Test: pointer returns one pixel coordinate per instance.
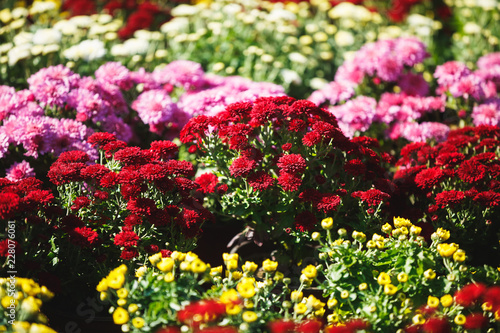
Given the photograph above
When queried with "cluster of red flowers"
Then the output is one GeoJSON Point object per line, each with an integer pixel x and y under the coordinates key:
{"type": "Point", "coordinates": [150, 190]}
{"type": "Point", "coordinates": [287, 326]}
{"type": "Point", "coordinates": [283, 147]}
{"type": "Point", "coordinates": [138, 14]}
{"type": "Point", "coordinates": [461, 173]}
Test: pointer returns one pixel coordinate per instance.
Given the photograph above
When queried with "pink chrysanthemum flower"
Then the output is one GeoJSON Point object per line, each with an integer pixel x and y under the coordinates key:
{"type": "Point", "coordinates": [154, 106]}
{"type": "Point", "coordinates": [115, 73]}
{"type": "Point", "coordinates": [450, 72]}
{"type": "Point", "coordinates": [487, 113]}
{"type": "Point", "coordinates": [332, 93]}
{"type": "Point", "coordinates": [141, 76]}
{"type": "Point", "coordinates": [51, 85]}
{"type": "Point", "coordinates": [416, 132]}
{"type": "Point", "coordinates": [355, 115]}
{"type": "Point", "coordinates": [473, 86]}
{"type": "Point", "coordinates": [181, 73]}
{"type": "Point", "coordinates": [413, 84]}
{"type": "Point", "coordinates": [19, 171]}
{"type": "Point", "coordinates": [349, 73]}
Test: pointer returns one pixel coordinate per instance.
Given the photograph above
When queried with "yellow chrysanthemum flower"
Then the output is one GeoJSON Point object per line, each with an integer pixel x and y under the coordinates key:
{"type": "Point", "coordinates": [331, 303]}
{"type": "Point", "coordinates": [310, 272]}
{"type": "Point", "coordinates": [390, 289]}
{"type": "Point", "coordinates": [430, 274]}
{"type": "Point", "coordinates": [249, 267]}
{"type": "Point", "coordinates": [402, 277]}
{"type": "Point", "coordinates": [383, 278]}
{"type": "Point", "coordinates": [138, 322]}
{"type": "Point", "coordinates": [269, 266]}
{"type": "Point", "coordinates": [120, 316]}
{"type": "Point", "coordinates": [432, 301]}
{"type": "Point", "coordinates": [447, 300]}
{"type": "Point", "coordinates": [165, 264]}
{"type": "Point", "coordinates": [459, 319]}
{"type": "Point", "coordinates": [327, 223]}
{"type": "Point", "coordinates": [401, 222]}
{"type": "Point", "coordinates": [300, 308]}
{"type": "Point", "coordinates": [246, 289]}
{"type": "Point", "coordinates": [249, 316]}
{"type": "Point", "coordinates": [198, 266]}
{"type": "Point", "coordinates": [169, 277]}
{"type": "Point", "coordinates": [459, 255]}
{"type": "Point", "coordinates": [418, 319]}
{"type": "Point", "coordinates": [446, 250]}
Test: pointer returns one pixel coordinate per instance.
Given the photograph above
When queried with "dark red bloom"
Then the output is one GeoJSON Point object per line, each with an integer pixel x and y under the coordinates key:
{"type": "Point", "coordinates": [471, 171]}
{"type": "Point", "coordinates": [126, 239]}
{"type": "Point", "coordinates": [292, 163]}
{"type": "Point", "coordinates": [63, 173]}
{"type": "Point", "coordinates": [132, 220]}
{"type": "Point", "coordinates": [469, 294]}
{"type": "Point", "coordinates": [260, 180]}
{"type": "Point", "coordinates": [286, 146]}
{"type": "Point", "coordinates": [168, 330]}
{"type": "Point", "coordinates": [475, 321]}
{"type": "Point", "coordinates": [309, 326]}
{"type": "Point", "coordinates": [9, 203]}
{"type": "Point", "coordinates": [305, 221]}
{"type": "Point", "coordinates": [208, 182]}
{"type": "Point", "coordinates": [195, 129]}
{"type": "Point", "coordinates": [101, 139]}
{"type": "Point", "coordinates": [355, 167]}
{"type": "Point", "coordinates": [164, 149]}
{"type": "Point", "coordinates": [130, 156]}
{"type": "Point", "coordinates": [281, 326]}
{"type": "Point", "coordinates": [73, 156]}
{"type": "Point", "coordinates": [95, 171]}
{"type": "Point", "coordinates": [449, 159]}
{"type": "Point", "coordinates": [109, 180]}
{"type": "Point", "coordinates": [372, 197]}
{"type": "Point", "coordinates": [297, 125]}
{"type": "Point", "coordinates": [488, 198]}
{"type": "Point", "coordinates": [4, 247]}
{"type": "Point", "coordinates": [141, 206]}
{"type": "Point", "coordinates": [130, 191]}
{"type": "Point", "coordinates": [101, 195]}
{"type": "Point", "coordinates": [153, 171]}
{"type": "Point", "coordinates": [129, 253]}
{"type": "Point", "coordinates": [289, 182]}
{"type": "Point", "coordinates": [112, 147]}
{"type": "Point", "coordinates": [328, 203]}
{"type": "Point", "coordinates": [312, 138]}
{"type": "Point", "coordinates": [449, 198]}
{"type": "Point", "coordinates": [84, 236]}
{"type": "Point", "coordinates": [199, 312]}
{"type": "Point", "coordinates": [180, 168]}
{"type": "Point", "coordinates": [80, 202]}
{"type": "Point", "coordinates": [436, 325]}
{"type": "Point", "coordinates": [242, 166]}
{"type": "Point", "coordinates": [428, 178]}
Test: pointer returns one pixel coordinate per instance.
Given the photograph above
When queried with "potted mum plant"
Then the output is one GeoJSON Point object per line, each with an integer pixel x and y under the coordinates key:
{"type": "Point", "coordinates": [280, 165]}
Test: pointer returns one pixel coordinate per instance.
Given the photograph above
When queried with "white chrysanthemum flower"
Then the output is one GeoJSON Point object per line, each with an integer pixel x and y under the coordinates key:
{"type": "Point", "coordinates": [40, 7]}
{"type": "Point", "coordinates": [344, 38]}
{"type": "Point", "coordinates": [87, 50]}
{"type": "Point", "coordinates": [66, 27]}
{"type": "Point", "coordinates": [175, 25]}
{"type": "Point", "coordinates": [290, 76]}
{"type": "Point", "coordinates": [185, 10]}
{"type": "Point", "coordinates": [22, 38]}
{"type": "Point", "coordinates": [82, 21]}
{"type": "Point", "coordinates": [47, 36]}
{"type": "Point", "coordinates": [136, 46]}
{"type": "Point", "coordinates": [119, 50]}
{"type": "Point", "coordinates": [19, 12]}
{"type": "Point", "coordinates": [19, 53]}
{"type": "Point", "coordinates": [279, 14]}
{"type": "Point", "coordinates": [471, 28]}
{"type": "Point", "coordinates": [232, 9]}
{"type": "Point", "coordinates": [297, 57]}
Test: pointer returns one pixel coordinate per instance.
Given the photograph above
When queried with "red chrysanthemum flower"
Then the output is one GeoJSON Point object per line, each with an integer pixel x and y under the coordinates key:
{"type": "Point", "coordinates": [63, 173]}
{"type": "Point", "coordinates": [436, 325]}
{"type": "Point", "coordinates": [310, 195]}
{"type": "Point", "coordinates": [200, 312]}
{"type": "Point", "coordinates": [309, 326]}
{"type": "Point", "coordinates": [355, 167]}
{"type": "Point", "coordinates": [488, 143]}
{"type": "Point", "coordinates": [153, 171]}
{"type": "Point", "coordinates": [80, 202]}
{"type": "Point", "coordinates": [180, 168]}
{"type": "Point", "coordinates": [471, 171]}
{"type": "Point", "coordinates": [207, 182]}
{"type": "Point", "coordinates": [9, 203]}
{"type": "Point", "coordinates": [328, 203]}
{"type": "Point", "coordinates": [84, 236]}
{"type": "Point", "coordinates": [449, 159]}
{"type": "Point", "coordinates": [130, 156]}
{"type": "Point", "coordinates": [184, 185]}
{"type": "Point", "coordinates": [164, 149]}
{"type": "Point", "coordinates": [372, 197]}
{"type": "Point", "coordinates": [101, 138]}
{"type": "Point", "coordinates": [289, 182]}
{"type": "Point", "coordinates": [297, 125]}
{"type": "Point", "coordinates": [189, 219]}
{"type": "Point", "coordinates": [101, 195]}
{"type": "Point", "coordinates": [286, 146]}
{"type": "Point", "coordinates": [73, 156]}
{"type": "Point", "coordinates": [132, 220]}
{"type": "Point", "coordinates": [129, 253]}
{"type": "Point", "coordinates": [292, 163]}
{"type": "Point", "coordinates": [242, 166]}
{"type": "Point", "coordinates": [281, 326]}
{"type": "Point", "coordinates": [130, 191]}
{"type": "Point", "coordinates": [141, 206]}
{"type": "Point", "coordinates": [428, 178]}
{"type": "Point", "coordinates": [260, 180]}
{"type": "Point", "coordinates": [195, 129]}
{"type": "Point", "coordinates": [305, 221]}
{"type": "Point", "coordinates": [95, 171]}
{"type": "Point", "coordinates": [475, 321]}
{"type": "Point", "coordinates": [312, 138]}
{"type": "Point", "coordinates": [112, 147]}
{"type": "Point", "coordinates": [126, 239]}
{"type": "Point", "coordinates": [469, 294]}
{"type": "Point", "coordinates": [159, 217]}
{"type": "Point", "coordinates": [449, 198]}
{"type": "Point", "coordinates": [488, 198]}
{"type": "Point", "coordinates": [109, 180]}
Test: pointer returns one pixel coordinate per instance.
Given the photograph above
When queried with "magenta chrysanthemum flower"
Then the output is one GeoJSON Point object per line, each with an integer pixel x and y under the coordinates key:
{"type": "Point", "coordinates": [416, 132]}
{"type": "Point", "coordinates": [487, 113]}
{"type": "Point", "coordinates": [182, 73]}
{"type": "Point", "coordinates": [154, 106]}
{"type": "Point", "coordinates": [332, 93]}
{"type": "Point", "coordinates": [355, 115]}
{"type": "Point", "coordinates": [115, 73]}
{"type": "Point", "coordinates": [450, 72]}
{"type": "Point", "coordinates": [19, 171]}
{"type": "Point", "coordinates": [51, 85]}
{"type": "Point", "coordinates": [472, 86]}
{"type": "Point", "coordinates": [413, 84]}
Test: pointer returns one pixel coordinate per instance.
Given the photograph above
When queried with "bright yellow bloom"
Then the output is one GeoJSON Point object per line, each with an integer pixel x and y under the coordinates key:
{"type": "Point", "coordinates": [236, 275]}
{"type": "Point", "coordinates": [269, 266]}
{"type": "Point", "coordinates": [418, 319]}
{"type": "Point", "coordinates": [232, 264]}
{"type": "Point", "coordinates": [296, 296]}
{"type": "Point", "coordinates": [415, 231]}
{"type": "Point", "coordinates": [169, 277]}
{"type": "Point", "coordinates": [278, 276]}
{"type": "Point", "coordinates": [139, 272]}
{"type": "Point", "coordinates": [327, 223]}
{"type": "Point", "coordinates": [390, 289]}
{"type": "Point", "coordinates": [459, 319]}
{"type": "Point", "coordinates": [115, 280]}
{"type": "Point", "coordinates": [332, 318]}
{"type": "Point", "coordinates": [30, 305]}
{"type": "Point", "coordinates": [121, 302]}
{"type": "Point", "coordinates": [401, 222]}
{"type": "Point", "coordinates": [229, 296]}
{"type": "Point", "coordinates": [363, 286]}
{"type": "Point", "coordinates": [198, 266]}
{"type": "Point", "coordinates": [178, 256]}
{"type": "Point", "coordinates": [315, 236]}
{"type": "Point", "coordinates": [402, 277]}
{"type": "Point", "coordinates": [371, 244]}
{"type": "Point", "coordinates": [233, 309]}
{"type": "Point", "coordinates": [313, 302]}
{"type": "Point", "coordinates": [120, 316]}
{"type": "Point", "coordinates": [310, 272]}
{"type": "Point", "coordinates": [497, 315]}
{"type": "Point", "coordinates": [344, 294]}
{"type": "Point", "coordinates": [132, 308]}
{"type": "Point", "coordinates": [138, 322]}
{"type": "Point", "coordinates": [103, 296]}
{"type": "Point", "coordinates": [249, 267]}
{"type": "Point", "coordinates": [380, 245]}
{"type": "Point", "coordinates": [486, 306]}
{"type": "Point", "coordinates": [447, 300]}
{"type": "Point", "coordinates": [446, 250]}
{"type": "Point", "coordinates": [383, 278]}
{"type": "Point", "coordinates": [103, 285]}
{"type": "Point", "coordinates": [185, 266]}
{"type": "Point", "coordinates": [216, 271]}
{"type": "Point", "coordinates": [432, 301]}
{"type": "Point", "coordinates": [430, 274]}
{"type": "Point", "coordinates": [246, 290]}
{"type": "Point", "coordinates": [249, 316]}
{"type": "Point", "coordinates": [359, 236]}
{"type": "Point", "coordinates": [122, 293]}
{"type": "Point", "coordinates": [40, 328]}
{"type": "Point", "coordinates": [300, 308]}
{"type": "Point", "coordinates": [165, 264]}
{"type": "Point", "coordinates": [331, 303]}
{"type": "Point", "coordinates": [155, 258]}
{"type": "Point", "coordinates": [459, 256]}
{"type": "Point", "coordinates": [387, 228]}
{"type": "Point", "coordinates": [230, 256]}
{"type": "Point", "coordinates": [441, 235]}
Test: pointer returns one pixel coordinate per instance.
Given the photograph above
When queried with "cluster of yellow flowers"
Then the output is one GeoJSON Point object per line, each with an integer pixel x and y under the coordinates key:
{"type": "Point", "coordinates": [20, 301]}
